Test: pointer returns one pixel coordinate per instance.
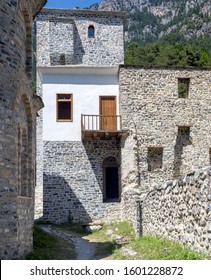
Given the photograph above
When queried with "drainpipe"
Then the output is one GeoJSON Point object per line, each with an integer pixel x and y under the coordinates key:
{"type": "Point", "coordinates": [139, 218]}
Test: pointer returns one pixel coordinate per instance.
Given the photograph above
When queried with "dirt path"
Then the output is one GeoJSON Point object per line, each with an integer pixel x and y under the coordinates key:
{"type": "Point", "coordinates": [84, 249]}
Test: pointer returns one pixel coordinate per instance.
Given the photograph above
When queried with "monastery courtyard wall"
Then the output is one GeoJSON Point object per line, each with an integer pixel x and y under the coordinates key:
{"type": "Point", "coordinates": [169, 139]}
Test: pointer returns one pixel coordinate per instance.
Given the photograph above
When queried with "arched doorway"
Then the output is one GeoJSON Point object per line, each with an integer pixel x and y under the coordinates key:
{"type": "Point", "coordinates": [110, 180]}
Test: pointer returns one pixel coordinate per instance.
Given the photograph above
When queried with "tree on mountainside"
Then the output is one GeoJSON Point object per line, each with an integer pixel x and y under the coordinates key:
{"type": "Point", "coordinates": [165, 54]}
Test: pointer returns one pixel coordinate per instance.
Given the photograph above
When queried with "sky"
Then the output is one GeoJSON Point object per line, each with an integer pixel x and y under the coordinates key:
{"type": "Point", "coordinates": [70, 3]}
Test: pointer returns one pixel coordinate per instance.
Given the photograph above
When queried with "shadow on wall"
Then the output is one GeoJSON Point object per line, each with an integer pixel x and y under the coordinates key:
{"type": "Point", "coordinates": [183, 140]}
{"type": "Point", "coordinates": [73, 180]}
{"type": "Point", "coordinates": [78, 47]}
{"type": "Point", "coordinates": [60, 204]}
{"type": "Point", "coordinates": [98, 151]}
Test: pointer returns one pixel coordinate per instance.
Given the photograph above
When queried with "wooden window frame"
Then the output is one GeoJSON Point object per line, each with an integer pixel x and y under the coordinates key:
{"type": "Point", "coordinates": [57, 107]}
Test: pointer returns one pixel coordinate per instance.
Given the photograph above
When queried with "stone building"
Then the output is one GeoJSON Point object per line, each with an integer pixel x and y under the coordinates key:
{"type": "Point", "coordinates": [79, 130]}
{"type": "Point", "coordinates": [108, 129]}
{"type": "Point", "coordinates": [18, 108]}
{"type": "Point", "coordinates": [165, 190]}
{"type": "Point", "coordinates": [167, 113]}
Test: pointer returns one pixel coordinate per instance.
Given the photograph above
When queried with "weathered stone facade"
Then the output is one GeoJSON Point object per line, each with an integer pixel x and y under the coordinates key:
{"type": "Point", "coordinates": [76, 186]}
{"type": "Point", "coordinates": [39, 157]}
{"type": "Point", "coordinates": [178, 209]}
{"type": "Point", "coordinates": [182, 211]}
{"type": "Point", "coordinates": [169, 136]}
{"type": "Point", "coordinates": [166, 112]}
{"type": "Point", "coordinates": [73, 181]}
{"type": "Point", "coordinates": [62, 37]}
{"type": "Point", "coordinates": [18, 107]}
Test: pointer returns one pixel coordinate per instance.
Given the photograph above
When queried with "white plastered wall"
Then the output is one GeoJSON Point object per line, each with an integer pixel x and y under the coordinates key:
{"type": "Point", "coordinates": [86, 89]}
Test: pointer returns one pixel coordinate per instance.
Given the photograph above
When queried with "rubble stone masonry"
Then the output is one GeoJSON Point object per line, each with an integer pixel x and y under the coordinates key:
{"type": "Point", "coordinates": [169, 139]}
{"type": "Point", "coordinates": [73, 181]}
{"type": "Point", "coordinates": [169, 136]}
{"type": "Point", "coordinates": [18, 107]}
{"type": "Point", "coordinates": [62, 37]}
{"type": "Point", "coordinates": [178, 209]}
{"type": "Point", "coordinates": [181, 210]}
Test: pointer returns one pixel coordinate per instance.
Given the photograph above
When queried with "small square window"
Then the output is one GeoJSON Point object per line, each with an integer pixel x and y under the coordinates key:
{"type": "Point", "coordinates": [183, 136]}
{"type": "Point", "coordinates": [184, 132]}
{"type": "Point", "coordinates": [183, 87]}
{"type": "Point", "coordinates": [155, 158]}
{"type": "Point", "coordinates": [64, 107]}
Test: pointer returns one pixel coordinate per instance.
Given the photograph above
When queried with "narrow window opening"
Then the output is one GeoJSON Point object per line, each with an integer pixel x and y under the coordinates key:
{"type": "Point", "coordinates": [64, 107]}
{"type": "Point", "coordinates": [183, 139]}
{"type": "Point", "coordinates": [155, 158]}
{"type": "Point", "coordinates": [91, 31]}
{"type": "Point", "coordinates": [111, 180]}
{"type": "Point", "coordinates": [210, 156]}
{"type": "Point", "coordinates": [183, 87]}
{"type": "Point", "coordinates": [184, 135]}
{"type": "Point", "coordinates": [62, 59]}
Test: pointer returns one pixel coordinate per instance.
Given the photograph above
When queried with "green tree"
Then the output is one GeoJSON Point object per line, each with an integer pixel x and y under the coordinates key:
{"type": "Point", "coordinates": [167, 54]}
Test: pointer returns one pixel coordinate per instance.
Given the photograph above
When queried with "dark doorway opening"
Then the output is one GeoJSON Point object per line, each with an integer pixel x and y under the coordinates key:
{"type": "Point", "coordinates": [111, 180]}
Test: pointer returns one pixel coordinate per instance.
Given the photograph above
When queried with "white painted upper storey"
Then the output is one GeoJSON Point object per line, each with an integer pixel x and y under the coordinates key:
{"type": "Point", "coordinates": [86, 84]}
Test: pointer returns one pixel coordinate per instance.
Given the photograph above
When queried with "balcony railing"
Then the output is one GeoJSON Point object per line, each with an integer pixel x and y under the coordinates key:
{"type": "Point", "coordinates": [101, 126]}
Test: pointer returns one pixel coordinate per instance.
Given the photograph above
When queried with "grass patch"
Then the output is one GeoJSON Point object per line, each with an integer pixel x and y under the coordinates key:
{"type": "Point", "coordinates": [146, 247]}
{"type": "Point", "coordinates": [48, 247]}
{"type": "Point", "coordinates": [122, 228]}
{"type": "Point", "coordinates": [156, 248]}
{"type": "Point", "coordinates": [106, 244]}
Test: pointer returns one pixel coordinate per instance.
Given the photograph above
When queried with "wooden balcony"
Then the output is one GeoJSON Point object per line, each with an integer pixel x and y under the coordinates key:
{"type": "Point", "coordinates": [104, 127]}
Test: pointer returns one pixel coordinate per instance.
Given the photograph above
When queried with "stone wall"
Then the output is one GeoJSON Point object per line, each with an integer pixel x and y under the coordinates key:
{"type": "Point", "coordinates": [61, 31]}
{"type": "Point", "coordinates": [181, 210]}
{"type": "Point", "coordinates": [178, 209]}
{"type": "Point", "coordinates": [39, 156]}
{"type": "Point", "coordinates": [18, 109]}
{"type": "Point", "coordinates": [25, 213]}
{"type": "Point", "coordinates": [62, 37]}
{"type": "Point", "coordinates": [159, 121]}
{"type": "Point", "coordinates": [73, 181]}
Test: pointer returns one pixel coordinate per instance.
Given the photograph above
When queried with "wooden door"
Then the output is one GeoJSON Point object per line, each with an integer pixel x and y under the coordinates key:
{"type": "Point", "coordinates": [108, 113]}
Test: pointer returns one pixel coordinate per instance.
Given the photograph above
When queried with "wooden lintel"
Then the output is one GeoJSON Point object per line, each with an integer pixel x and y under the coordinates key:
{"type": "Point", "coordinates": [107, 134]}
{"type": "Point", "coordinates": [104, 134]}
{"type": "Point", "coordinates": [94, 135]}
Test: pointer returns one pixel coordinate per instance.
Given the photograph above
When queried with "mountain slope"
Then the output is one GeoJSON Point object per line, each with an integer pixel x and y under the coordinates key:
{"type": "Point", "coordinates": [149, 20]}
